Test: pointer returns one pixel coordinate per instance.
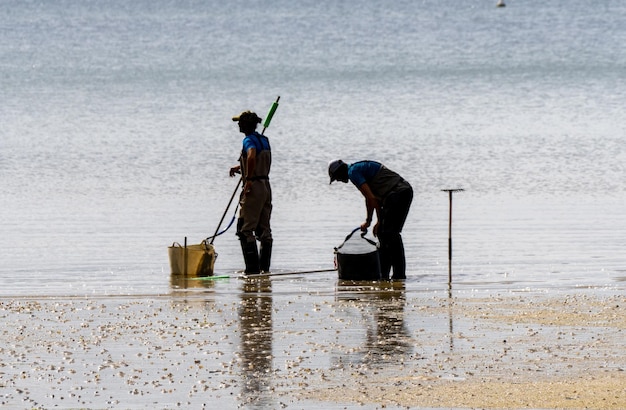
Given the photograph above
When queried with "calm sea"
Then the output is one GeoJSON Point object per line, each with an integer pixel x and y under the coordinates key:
{"type": "Point", "coordinates": [116, 138]}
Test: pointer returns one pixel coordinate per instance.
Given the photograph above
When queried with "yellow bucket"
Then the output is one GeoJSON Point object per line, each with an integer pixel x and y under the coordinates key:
{"type": "Point", "coordinates": [192, 260]}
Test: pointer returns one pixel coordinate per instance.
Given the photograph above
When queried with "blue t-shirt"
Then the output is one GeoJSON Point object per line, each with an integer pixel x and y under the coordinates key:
{"type": "Point", "coordinates": [363, 171]}
{"type": "Point", "coordinates": [256, 141]}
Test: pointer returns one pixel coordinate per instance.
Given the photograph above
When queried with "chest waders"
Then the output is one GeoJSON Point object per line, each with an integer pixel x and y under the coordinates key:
{"type": "Point", "coordinates": [255, 211]}
{"type": "Point", "coordinates": [396, 195]}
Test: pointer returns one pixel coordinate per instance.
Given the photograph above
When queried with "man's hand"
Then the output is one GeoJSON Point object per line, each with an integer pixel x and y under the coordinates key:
{"type": "Point", "coordinates": [235, 170]}
{"type": "Point", "coordinates": [365, 225]}
{"type": "Point", "coordinates": [375, 230]}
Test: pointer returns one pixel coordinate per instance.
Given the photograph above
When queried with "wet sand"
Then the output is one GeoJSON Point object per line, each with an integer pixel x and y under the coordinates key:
{"type": "Point", "coordinates": [254, 344]}
{"type": "Point", "coordinates": [522, 352]}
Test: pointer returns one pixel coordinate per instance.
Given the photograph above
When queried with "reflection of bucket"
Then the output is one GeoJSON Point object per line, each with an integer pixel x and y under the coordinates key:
{"type": "Point", "coordinates": [192, 260]}
{"type": "Point", "coordinates": [357, 259]}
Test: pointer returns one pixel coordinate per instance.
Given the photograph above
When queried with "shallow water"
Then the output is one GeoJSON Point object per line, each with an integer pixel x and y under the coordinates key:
{"type": "Point", "coordinates": [496, 245]}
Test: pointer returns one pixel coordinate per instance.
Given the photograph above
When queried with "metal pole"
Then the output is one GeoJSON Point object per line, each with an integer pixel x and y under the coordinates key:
{"type": "Point", "coordinates": [450, 191]}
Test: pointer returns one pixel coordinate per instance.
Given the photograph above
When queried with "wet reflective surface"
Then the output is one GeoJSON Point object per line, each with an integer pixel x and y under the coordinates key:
{"type": "Point", "coordinates": [258, 343]}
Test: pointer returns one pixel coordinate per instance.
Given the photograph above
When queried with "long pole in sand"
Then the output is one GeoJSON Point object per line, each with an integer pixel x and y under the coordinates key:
{"type": "Point", "coordinates": [225, 211]}
{"type": "Point", "coordinates": [264, 275]}
{"type": "Point", "coordinates": [450, 191]}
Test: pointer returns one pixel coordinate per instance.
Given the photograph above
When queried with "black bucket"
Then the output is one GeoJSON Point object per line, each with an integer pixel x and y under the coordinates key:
{"type": "Point", "coordinates": [357, 258]}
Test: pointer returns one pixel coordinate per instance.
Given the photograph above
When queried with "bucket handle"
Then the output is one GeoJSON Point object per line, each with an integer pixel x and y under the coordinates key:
{"type": "Point", "coordinates": [205, 244]}
{"type": "Point", "coordinates": [363, 233]}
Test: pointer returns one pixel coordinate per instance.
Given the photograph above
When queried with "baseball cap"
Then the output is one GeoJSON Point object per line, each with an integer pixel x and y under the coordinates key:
{"type": "Point", "coordinates": [248, 116]}
{"type": "Point", "coordinates": [333, 167]}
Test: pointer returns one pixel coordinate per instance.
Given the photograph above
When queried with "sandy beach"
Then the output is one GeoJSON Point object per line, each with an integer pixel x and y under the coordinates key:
{"type": "Point", "coordinates": [373, 346]}
{"type": "Point", "coordinates": [525, 352]}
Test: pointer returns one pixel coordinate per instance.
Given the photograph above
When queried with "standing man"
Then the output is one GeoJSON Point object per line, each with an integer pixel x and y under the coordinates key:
{"type": "Point", "coordinates": [256, 199]}
{"type": "Point", "coordinates": [390, 196]}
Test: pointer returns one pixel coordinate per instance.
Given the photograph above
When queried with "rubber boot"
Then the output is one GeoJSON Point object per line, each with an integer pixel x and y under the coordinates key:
{"type": "Point", "coordinates": [398, 260]}
{"type": "Point", "coordinates": [250, 257]}
{"type": "Point", "coordinates": [266, 256]}
{"type": "Point", "coordinates": [384, 254]}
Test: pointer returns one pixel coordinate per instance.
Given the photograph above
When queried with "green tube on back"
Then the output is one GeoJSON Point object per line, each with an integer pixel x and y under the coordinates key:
{"type": "Point", "coordinates": [268, 119]}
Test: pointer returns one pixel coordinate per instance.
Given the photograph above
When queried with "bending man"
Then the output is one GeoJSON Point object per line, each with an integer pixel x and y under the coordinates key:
{"type": "Point", "coordinates": [390, 196]}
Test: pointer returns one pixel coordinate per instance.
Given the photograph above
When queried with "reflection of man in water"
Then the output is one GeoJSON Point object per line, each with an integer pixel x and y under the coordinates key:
{"type": "Point", "coordinates": [391, 336]}
{"type": "Point", "coordinates": [255, 319]}
{"type": "Point", "coordinates": [386, 335]}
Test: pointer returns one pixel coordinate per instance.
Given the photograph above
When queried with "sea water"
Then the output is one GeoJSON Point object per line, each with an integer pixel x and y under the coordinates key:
{"type": "Point", "coordinates": [116, 137]}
